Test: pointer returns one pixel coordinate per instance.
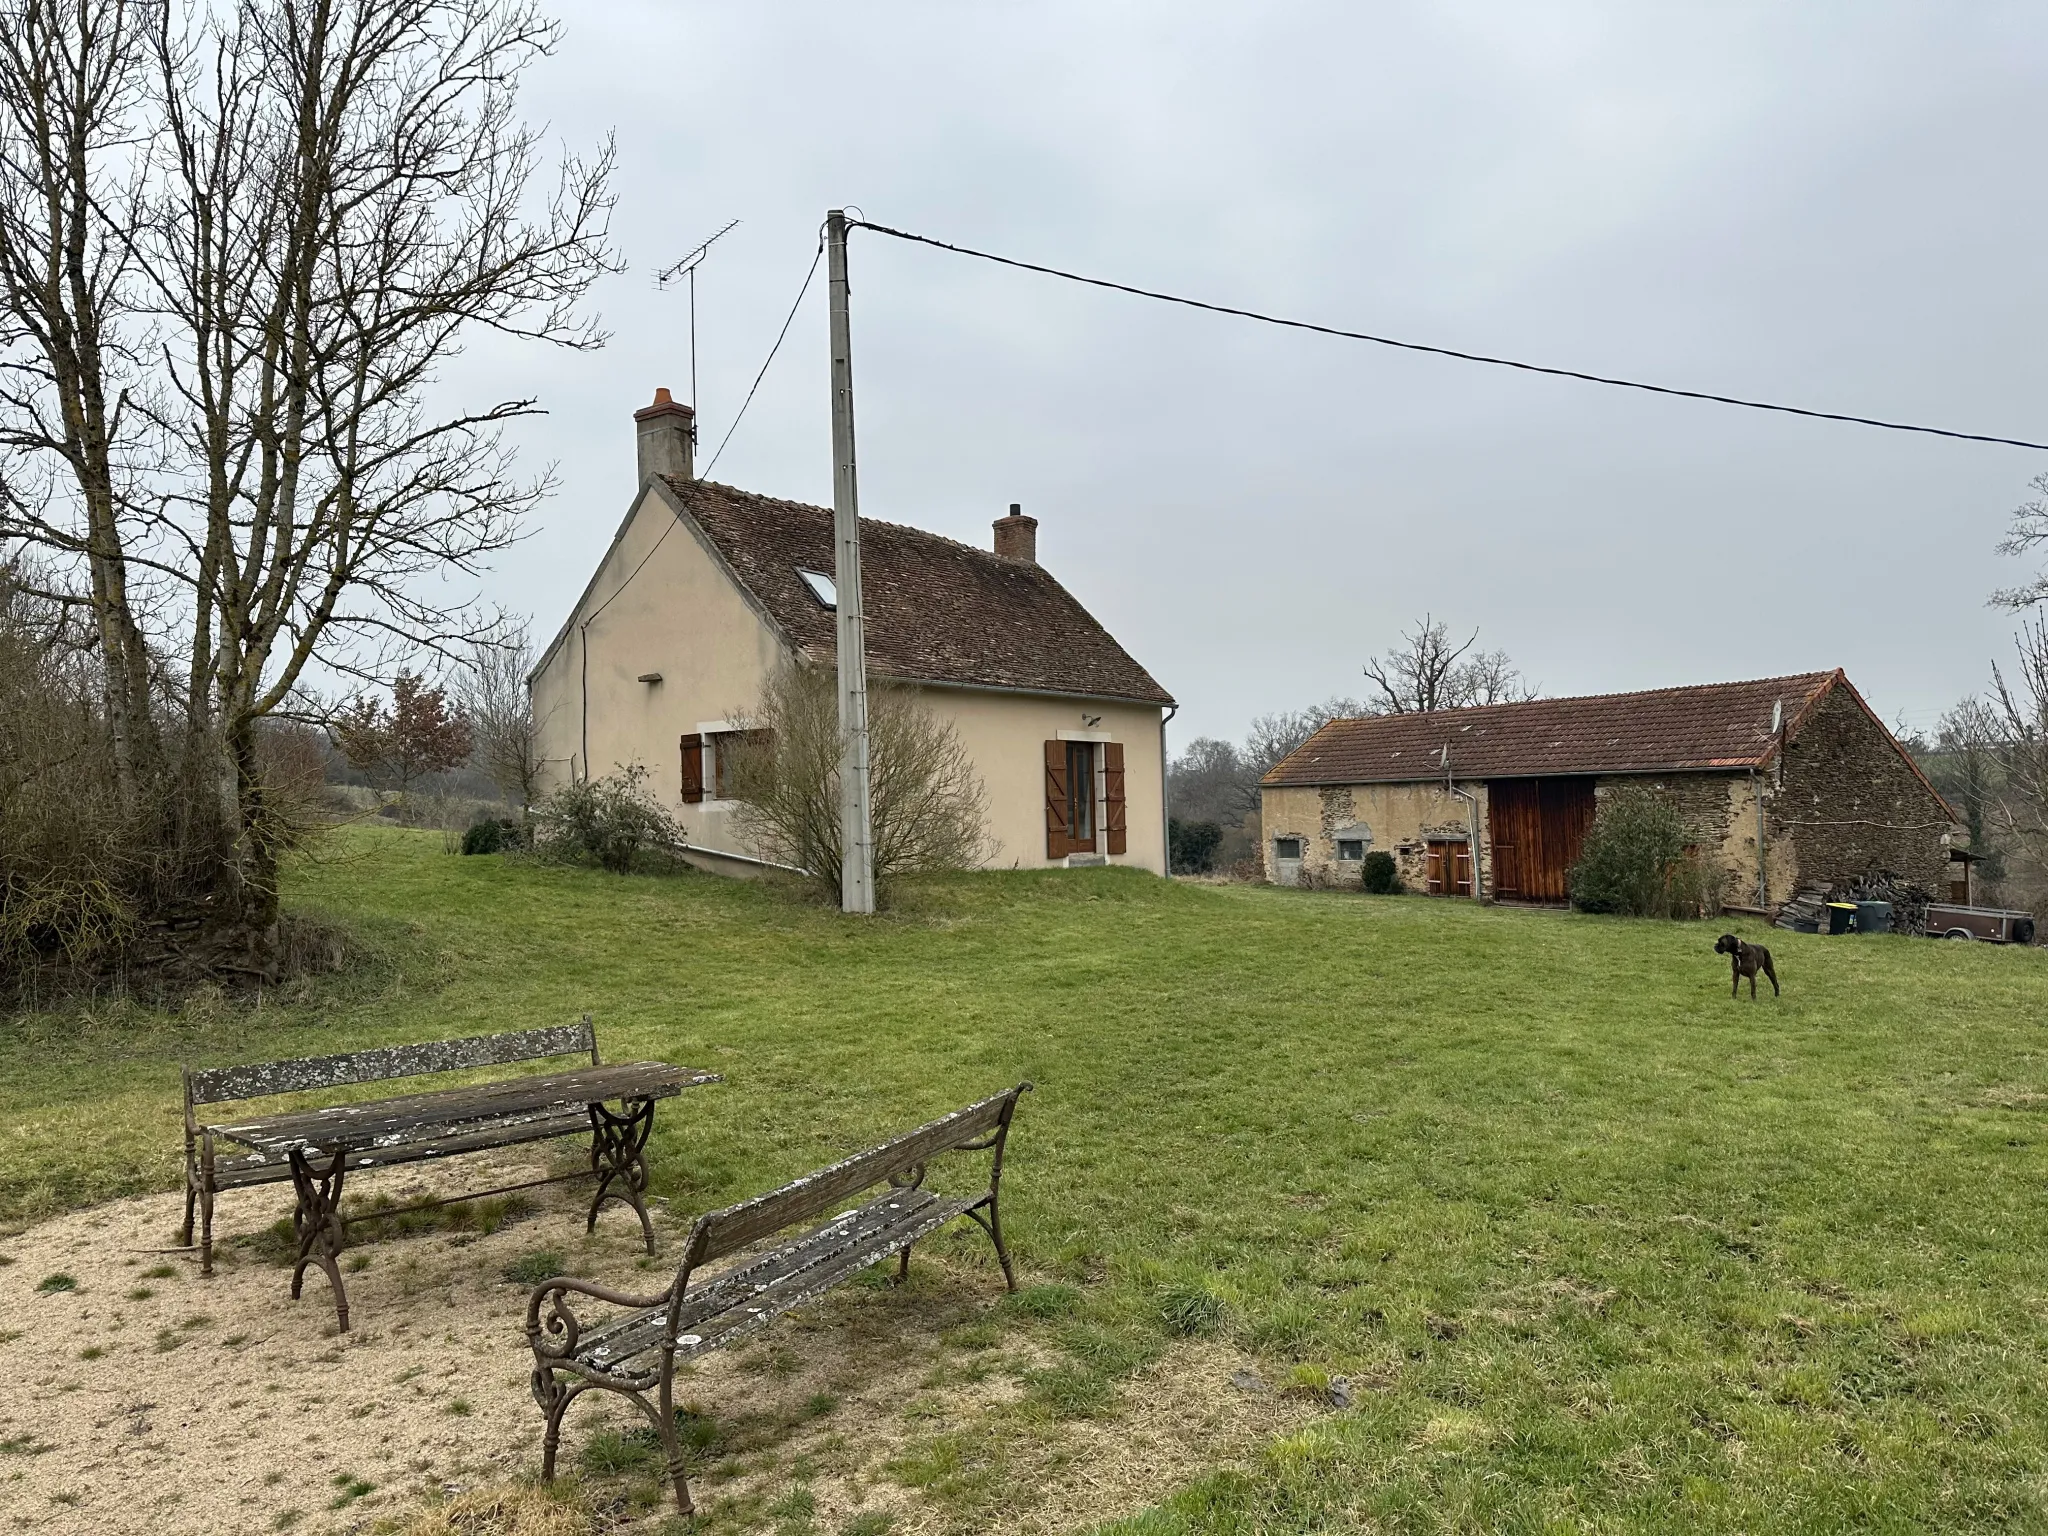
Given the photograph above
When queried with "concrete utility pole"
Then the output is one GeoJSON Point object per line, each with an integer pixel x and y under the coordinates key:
{"type": "Point", "coordinates": [856, 835]}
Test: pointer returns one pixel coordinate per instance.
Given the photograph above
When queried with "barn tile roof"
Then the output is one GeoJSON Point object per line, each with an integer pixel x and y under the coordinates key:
{"type": "Point", "coordinates": [938, 611]}
{"type": "Point", "coordinates": [1712, 726]}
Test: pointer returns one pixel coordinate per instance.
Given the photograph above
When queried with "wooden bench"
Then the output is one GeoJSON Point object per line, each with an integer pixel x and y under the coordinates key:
{"type": "Point", "coordinates": [314, 1149]}
{"type": "Point", "coordinates": [635, 1353]}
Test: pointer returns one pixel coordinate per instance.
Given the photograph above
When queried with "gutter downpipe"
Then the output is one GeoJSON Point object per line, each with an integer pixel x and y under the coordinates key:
{"type": "Point", "coordinates": [1471, 826]}
{"type": "Point", "coordinates": [583, 652]}
{"type": "Point", "coordinates": [1165, 812]}
{"type": "Point", "coordinates": [1756, 786]}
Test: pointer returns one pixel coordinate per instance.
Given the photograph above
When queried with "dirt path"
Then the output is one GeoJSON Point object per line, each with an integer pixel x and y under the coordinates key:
{"type": "Point", "coordinates": [148, 1400]}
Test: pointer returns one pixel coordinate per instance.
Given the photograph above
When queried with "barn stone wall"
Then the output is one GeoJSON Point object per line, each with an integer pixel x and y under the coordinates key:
{"type": "Point", "coordinates": [1390, 818]}
{"type": "Point", "coordinates": [1847, 803]}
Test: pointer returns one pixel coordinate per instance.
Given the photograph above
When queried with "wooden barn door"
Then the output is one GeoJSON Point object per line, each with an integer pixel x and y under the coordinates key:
{"type": "Point", "coordinates": [1539, 827]}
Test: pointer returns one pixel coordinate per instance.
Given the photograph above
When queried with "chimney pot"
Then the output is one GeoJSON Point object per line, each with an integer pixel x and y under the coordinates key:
{"type": "Point", "coordinates": [1017, 535]}
{"type": "Point", "coordinates": [667, 438]}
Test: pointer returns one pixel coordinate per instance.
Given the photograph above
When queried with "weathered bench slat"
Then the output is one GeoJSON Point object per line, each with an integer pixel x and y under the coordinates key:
{"type": "Point", "coordinates": [384, 1121]}
{"type": "Point", "coordinates": [743, 1225]}
{"type": "Point", "coordinates": [261, 1079]}
{"type": "Point", "coordinates": [812, 1264]}
{"type": "Point", "coordinates": [262, 1168]}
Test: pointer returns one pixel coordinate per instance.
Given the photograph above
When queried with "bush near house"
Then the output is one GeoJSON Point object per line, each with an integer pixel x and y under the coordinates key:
{"type": "Point", "coordinates": [1193, 845]}
{"type": "Point", "coordinates": [1380, 875]}
{"type": "Point", "coordinates": [1637, 862]}
{"type": "Point", "coordinates": [613, 821]}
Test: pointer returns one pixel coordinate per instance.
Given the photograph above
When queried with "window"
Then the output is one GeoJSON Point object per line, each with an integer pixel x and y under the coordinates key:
{"type": "Point", "coordinates": [823, 587]}
{"type": "Point", "coordinates": [1350, 848]}
{"type": "Point", "coordinates": [709, 761]}
{"type": "Point", "coordinates": [1287, 848]}
{"type": "Point", "coordinates": [1081, 794]}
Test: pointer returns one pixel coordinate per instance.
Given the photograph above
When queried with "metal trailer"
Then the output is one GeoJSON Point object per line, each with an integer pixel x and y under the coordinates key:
{"type": "Point", "coordinates": [1994, 925]}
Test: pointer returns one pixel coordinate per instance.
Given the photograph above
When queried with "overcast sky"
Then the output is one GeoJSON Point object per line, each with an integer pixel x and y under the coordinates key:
{"type": "Point", "coordinates": [1836, 205]}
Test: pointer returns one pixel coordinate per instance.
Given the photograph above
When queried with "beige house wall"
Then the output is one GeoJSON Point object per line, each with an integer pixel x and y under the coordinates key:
{"type": "Point", "coordinates": [1005, 734]}
{"type": "Point", "coordinates": [1399, 818]}
{"type": "Point", "coordinates": [681, 615]}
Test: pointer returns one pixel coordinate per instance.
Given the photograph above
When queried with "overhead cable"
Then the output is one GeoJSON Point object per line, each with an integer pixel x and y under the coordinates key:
{"type": "Point", "coordinates": [1450, 352]}
{"type": "Point", "coordinates": [779, 335]}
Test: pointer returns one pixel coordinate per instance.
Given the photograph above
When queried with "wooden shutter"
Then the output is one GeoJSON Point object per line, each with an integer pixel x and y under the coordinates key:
{"type": "Point", "coordinates": [1056, 830]}
{"type": "Point", "coordinates": [1113, 794]}
{"type": "Point", "coordinates": [693, 770]}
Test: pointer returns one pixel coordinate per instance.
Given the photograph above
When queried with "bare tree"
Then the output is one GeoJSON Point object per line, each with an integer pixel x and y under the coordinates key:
{"type": "Point", "coordinates": [1429, 672]}
{"type": "Point", "coordinates": [2027, 533]}
{"type": "Point", "coordinates": [494, 698]}
{"type": "Point", "coordinates": [1273, 736]}
{"type": "Point", "coordinates": [2021, 702]}
{"type": "Point", "coordinates": [928, 808]}
{"type": "Point", "coordinates": [1964, 763]}
{"type": "Point", "coordinates": [236, 243]}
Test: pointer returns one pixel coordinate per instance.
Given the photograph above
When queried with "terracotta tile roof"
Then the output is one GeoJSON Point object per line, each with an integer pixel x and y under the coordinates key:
{"type": "Point", "coordinates": [938, 611]}
{"type": "Point", "coordinates": [1712, 726]}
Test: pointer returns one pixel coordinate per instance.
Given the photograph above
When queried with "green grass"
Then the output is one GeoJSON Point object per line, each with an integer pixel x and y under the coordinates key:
{"type": "Point", "coordinates": [1596, 1246]}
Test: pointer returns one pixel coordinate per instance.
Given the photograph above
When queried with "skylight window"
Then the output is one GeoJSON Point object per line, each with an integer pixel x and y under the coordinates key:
{"type": "Point", "coordinates": [823, 588]}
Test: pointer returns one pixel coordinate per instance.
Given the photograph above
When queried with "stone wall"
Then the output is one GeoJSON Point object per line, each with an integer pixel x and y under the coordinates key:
{"type": "Point", "coordinates": [1847, 803]}
{"type": "Point", "coordinates": [1389, 818]}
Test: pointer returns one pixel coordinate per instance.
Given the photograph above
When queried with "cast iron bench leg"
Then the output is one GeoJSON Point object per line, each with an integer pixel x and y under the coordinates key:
{"type": "Point", "coordinates": [618, 1157]}
{"type": "Point", "coordinates": [320, 1229]}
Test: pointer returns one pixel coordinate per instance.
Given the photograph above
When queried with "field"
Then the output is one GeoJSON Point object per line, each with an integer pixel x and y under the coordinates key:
{"type": "Point", "coordinates": [1596, 1246]}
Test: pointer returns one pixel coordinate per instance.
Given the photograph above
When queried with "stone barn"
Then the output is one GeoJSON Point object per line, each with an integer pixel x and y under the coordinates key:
{"type": "Point", "coordinates": [1786, 782]}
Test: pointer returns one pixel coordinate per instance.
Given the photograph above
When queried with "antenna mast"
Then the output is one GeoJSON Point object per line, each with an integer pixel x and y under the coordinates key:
{"type": "Point", "coordinates": [687, 267]}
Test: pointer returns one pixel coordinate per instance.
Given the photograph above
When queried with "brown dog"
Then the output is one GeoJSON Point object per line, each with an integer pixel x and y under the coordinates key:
{"type": "Point", "coordinates": [1747, 959]}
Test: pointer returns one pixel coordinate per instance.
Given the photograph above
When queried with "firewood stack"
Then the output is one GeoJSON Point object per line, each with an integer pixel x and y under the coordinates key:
{"type": "Point", "coordinates": [1807, 911]}
{"type": "Point", "coordinates": [1909, 901]}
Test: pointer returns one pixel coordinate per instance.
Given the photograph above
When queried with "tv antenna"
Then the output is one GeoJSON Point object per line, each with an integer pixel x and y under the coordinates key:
{"type": "Point", "coordinates": [687, 268]}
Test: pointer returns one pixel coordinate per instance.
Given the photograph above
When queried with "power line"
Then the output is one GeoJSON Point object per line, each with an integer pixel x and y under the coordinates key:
{"type": "Point", "coordinates": [815, 257]}
{"type": "Point", "coordinates": [1451, 352]}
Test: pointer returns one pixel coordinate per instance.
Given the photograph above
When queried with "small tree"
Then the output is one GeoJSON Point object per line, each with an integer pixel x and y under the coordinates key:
{"type": "Point", "coordinates": [1636, 863]}
{"type": "Point", "coordinates": [420, 733]}
{"type": "Point", "coordinates": [927, 810]}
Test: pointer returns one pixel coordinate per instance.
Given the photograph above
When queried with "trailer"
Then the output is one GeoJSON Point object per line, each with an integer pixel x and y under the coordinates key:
{"type": "Point", "coordinates": [1994, 925]}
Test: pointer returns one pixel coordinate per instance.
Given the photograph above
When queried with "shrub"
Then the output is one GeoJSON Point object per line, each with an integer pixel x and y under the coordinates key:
{"type": "Point", "coordinates": [927, 809]}
{"type": "Point", "coordinates": [613, 820]}
{"type": "Point", "coordinates": [1637, 862]}
{"type": "Point", "coordinates": [1380, 876]}
{"type": "Point", "coordinates": [1193, 845]}
{"type": "Point", "coordinates": [493, 834]}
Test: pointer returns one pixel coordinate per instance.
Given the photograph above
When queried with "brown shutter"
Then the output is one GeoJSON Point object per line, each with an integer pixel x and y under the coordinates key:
{"type": "Point", "coordinates": [693, 769]}
{"type": "Point", "coordinates": [1113, 794]}
{"type": "Point", "coordinates": [1056, 840]}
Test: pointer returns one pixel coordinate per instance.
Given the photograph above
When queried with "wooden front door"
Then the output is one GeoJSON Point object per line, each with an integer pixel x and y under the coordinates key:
{"type": "Point", "coordinates": [1538, 828]}
{"type": "Point", "coordinates": [1447, 868]}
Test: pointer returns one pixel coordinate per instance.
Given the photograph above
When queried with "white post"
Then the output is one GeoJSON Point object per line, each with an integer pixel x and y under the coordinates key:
{"type": "Point", "coordinates": [856, 841]}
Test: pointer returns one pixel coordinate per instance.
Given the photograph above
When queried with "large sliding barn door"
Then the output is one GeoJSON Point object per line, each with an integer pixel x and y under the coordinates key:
{"type": "Point", "coordinates": [1538, 827]}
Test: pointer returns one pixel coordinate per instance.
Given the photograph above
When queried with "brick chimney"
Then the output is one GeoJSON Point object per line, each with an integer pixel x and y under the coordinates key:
{"type": "Point", "coordinates": [1017, 535]}
{"type": "Point", "coordinates": [667, 435]}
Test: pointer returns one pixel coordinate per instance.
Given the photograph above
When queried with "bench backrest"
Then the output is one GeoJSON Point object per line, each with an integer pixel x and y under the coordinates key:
{"type": "Point", "coordinates": [740, 1226]}
{"type": "Point", "coordinates": [259, 1079]}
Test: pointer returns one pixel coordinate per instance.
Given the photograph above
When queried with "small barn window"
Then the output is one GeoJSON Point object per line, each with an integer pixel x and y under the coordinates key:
{"type": "Point", "coordinates": [1350, 848]}
{"type": "Point", "coordinates": [1286, 847]}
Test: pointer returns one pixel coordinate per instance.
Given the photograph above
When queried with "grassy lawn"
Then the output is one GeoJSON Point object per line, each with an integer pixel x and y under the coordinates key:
{"type": "Point", "coordinates": [1602, 1248]}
